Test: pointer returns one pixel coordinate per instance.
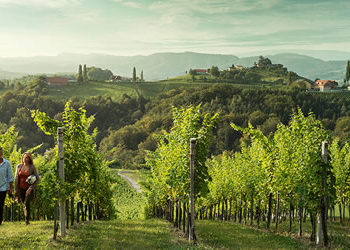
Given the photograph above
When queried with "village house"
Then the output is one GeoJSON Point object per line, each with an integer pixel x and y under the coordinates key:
{"type": "Point", "coordinates": [57, 81]}
{"type": "Point", "coordinates": [118, 78]}
{"type": "Point", "coordinates": [323, 85]}
{"type": "Point", "coordinates": [235, 67]}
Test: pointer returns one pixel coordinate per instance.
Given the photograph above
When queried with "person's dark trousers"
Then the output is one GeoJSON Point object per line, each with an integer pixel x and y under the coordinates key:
{"type": "Point", "coordinates": [2, 201]}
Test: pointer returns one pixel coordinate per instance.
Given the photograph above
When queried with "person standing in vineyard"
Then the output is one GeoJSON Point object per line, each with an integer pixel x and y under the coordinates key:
{"type": "Point", "coordinates": [26, 180]}
{"type": "Point", "coordinates": [6, 180]}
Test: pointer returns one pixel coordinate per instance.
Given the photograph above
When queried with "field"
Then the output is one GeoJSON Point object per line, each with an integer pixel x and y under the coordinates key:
{"type": "Point", "coordinates": [115, 90]}
{"type": "Point", "coordinates": [147, 89]}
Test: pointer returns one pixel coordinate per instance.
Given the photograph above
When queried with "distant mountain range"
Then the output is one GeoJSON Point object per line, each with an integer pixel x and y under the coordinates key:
{"type": "Point", "coordinates": [10, 75]}
{"type": "Point", "coordinates": [163, 65]}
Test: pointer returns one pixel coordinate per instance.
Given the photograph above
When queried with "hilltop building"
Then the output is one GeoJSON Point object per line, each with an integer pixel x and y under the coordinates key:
{"type": "Point", "coordinates": [118, 78]}
{"type": "Point", "coordinates": [57, 81]}
{"type": "Point", "coordinates": [201, 71]}
{"type": "Point", "coordinates": [323, 85]}
{"type": "Point", "coordinates": [235, 67]}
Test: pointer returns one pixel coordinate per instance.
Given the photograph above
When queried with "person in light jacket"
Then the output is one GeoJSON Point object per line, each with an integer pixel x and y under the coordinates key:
{"type": "Point", "coordinates": [6, 180]}
{"type": "Point", "coordinates": [26, 180]}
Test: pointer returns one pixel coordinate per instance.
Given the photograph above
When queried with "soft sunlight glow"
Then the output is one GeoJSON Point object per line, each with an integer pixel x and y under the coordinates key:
{"type": "Point", "coordinates": [127, 27]}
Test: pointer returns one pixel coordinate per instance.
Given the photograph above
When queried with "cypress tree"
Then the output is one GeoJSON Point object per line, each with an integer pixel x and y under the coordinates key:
{"type": "Point", "coordinates": [347, 72]}
{"type": "Point", "coordinates": [80, 75]}
{"type": "Point", "coordinates": [141, 76]}
{"type": "Point", "coordinates": [85, 77]}
{"type": "Point", "coordinates": [134, 75]}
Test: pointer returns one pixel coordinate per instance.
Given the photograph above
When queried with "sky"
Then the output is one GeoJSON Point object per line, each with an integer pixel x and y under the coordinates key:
{"type": "Point", "coordinates": [144, 27]}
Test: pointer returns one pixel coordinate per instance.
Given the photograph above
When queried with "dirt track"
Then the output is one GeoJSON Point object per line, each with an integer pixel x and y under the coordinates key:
{"type": "Point", "coordinates": [131, 181]}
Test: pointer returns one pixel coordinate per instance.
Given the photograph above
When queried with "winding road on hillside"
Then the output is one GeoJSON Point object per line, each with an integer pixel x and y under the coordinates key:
{"type": "Point", "coordinates": [131, 181]}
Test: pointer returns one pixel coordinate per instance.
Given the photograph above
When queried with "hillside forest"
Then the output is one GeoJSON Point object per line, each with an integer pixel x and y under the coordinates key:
{"type": "Point", "coordinates": [126, 127]}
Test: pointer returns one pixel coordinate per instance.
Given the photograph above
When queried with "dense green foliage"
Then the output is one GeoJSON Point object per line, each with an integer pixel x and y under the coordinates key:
{"type": "Point", "coordinates": [98, 74]}
{"type": "Point", "coordinates": [169, 162]}
{"type": "Point", "coordinates": [264, 108]}
{"type": "Point", "coordinates": [281, 172]}
{"type": "Point", "coordinates": [288, 163]}
{"type": "Point", "coordinates": [86, 175]}
{"type": "Point", "coordinates": [127, 124]}
{"type": "Point", "coordinates": [340, 160]}
{"type": "Point", "coordinates": [262, 73]}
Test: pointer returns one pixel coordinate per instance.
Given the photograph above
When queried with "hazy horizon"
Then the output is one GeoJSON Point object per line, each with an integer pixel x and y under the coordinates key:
{"type": "Point", "coordinates": [128, 28]}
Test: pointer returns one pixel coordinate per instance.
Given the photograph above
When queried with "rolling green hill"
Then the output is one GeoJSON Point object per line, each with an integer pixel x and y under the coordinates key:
{"type": "Point", "coordinates": [116, 90]}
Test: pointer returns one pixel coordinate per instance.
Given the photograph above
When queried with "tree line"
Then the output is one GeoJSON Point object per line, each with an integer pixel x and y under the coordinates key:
{"type": "Point", "coordinates": [93, 73]}
{"type": "Point", "coordinates": [126, 127]}
{"type": "Point", "coordinates": [260, 73]}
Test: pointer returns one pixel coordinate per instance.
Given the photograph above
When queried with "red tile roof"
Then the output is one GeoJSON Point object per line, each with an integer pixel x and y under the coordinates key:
{"type": "Point", "coordinates": [201, 70]}
{"type": "Point", "coordinates": [57, 80]}
{"type": "Point", "coordinates": [323, 82]}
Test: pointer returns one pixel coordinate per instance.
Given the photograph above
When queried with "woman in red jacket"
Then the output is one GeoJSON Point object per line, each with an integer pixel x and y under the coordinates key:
{"type": "Point", "coordinates": [26, 180]}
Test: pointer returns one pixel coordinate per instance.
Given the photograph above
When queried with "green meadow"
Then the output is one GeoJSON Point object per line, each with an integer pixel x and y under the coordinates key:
{"type": "Point", "coordinates": [115, 90]}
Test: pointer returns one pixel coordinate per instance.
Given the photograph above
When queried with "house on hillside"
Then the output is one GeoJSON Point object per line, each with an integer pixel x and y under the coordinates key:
{"type": "Point", "coordinates": [232, 68]}
{"type": "Point", "coordinates": [200, 71]}
{"type": "Point", "coordinates": [323, 85]}
{"type": "Point", "coordinates": [116, 78]}
{"type": "Point", "coordinates": [235, 67]}
{"type": "Point", "coordinates": [57, 81]}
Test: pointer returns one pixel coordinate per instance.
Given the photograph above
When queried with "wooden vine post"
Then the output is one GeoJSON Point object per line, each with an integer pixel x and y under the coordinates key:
{"type": "Point", "coordinates": [61, 175]}
{"type": "Point", "coordinates": [55, 225]}
{"type": "Point", "coordinates": [192, 236]}
{"type": "Point", "coordinates": [322, 235]}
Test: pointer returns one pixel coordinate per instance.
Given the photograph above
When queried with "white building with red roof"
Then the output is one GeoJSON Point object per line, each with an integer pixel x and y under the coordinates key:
{"type": "Point", "coordinates": [325, 85]}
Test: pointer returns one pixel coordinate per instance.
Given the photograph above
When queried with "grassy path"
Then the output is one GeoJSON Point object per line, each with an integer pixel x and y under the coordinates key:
{"type": "Point", "coordinates": [131, 231]}
{"type": "Point", "coordinates": [215, 234]}
{"type": "Point", "coordinates": [140, 234]}
{"type": "Point", "coordinates": [128, 234]}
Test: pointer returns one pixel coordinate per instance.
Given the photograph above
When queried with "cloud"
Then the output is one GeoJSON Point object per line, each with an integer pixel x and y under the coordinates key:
{"type": "Point", "coordinates": [212, 6]}
{"type": "Point", "coordinates": [40, 3]}
{"type": "Point", "coordinates": [82, 16]}
{"type": "Point", "coordinates": [131, 4]}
